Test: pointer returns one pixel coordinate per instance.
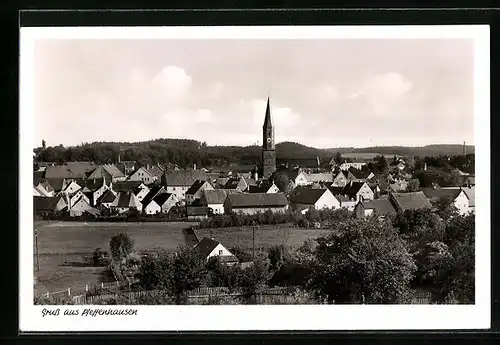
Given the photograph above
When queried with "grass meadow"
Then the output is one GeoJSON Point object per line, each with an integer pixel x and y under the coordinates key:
{"type": "Point", "coordinates": [63, 247]}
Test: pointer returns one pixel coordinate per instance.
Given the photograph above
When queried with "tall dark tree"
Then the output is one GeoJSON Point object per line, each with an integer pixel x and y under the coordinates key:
{"type": "Point", "coordinates": [43, 143]}
{"type": "Point", "coordinates": [120, 246]}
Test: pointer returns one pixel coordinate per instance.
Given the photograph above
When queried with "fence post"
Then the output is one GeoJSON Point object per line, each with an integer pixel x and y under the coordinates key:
{"type": "Point", "coordinates": [117, 283]}
{"type": "Point", "coordinates": [86, 288]}
{"type": "Point", "coordinates": [69, 291]}
{"type": "Point", "coordinates": [102, 285]}
{"type": "Point", "coordinates": [48, 294]}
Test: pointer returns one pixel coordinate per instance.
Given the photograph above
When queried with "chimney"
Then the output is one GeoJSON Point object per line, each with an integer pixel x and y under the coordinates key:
{"type": "Point", "coordinates": [464, 150]}
{"type": "Point", "coordinates": [119, 158]}
{"type": "Point", "coordinates": [194, 166]}
{"type": "Point", "coordinates": [425, 166]}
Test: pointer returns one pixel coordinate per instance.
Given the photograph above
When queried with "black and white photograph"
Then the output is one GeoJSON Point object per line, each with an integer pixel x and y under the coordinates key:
{"type": "Point", "coordinates": [255, 178]}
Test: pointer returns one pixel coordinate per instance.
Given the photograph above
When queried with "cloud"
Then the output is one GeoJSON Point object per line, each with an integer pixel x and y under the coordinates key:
{"type": "Point", "coordinates": [383, 92]}
{"type": "Point", "coordinates": [171, 83]}
{"type": "Point", "coordinates": [215, 91]}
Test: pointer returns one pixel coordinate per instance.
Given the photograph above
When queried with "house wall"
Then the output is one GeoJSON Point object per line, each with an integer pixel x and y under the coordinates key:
{"type": "Point", "coordinates": [254, 210]}
{"type": "Point", "coordinates": [77, 196]}
{"type": "Point", "coordinates": [356, 165]}
{"type": "Point", "coordinates": [97, 194]}
{"type": "Point", "coordinates": [366, 192]}
{"type": "Point", "coordinates": [165, 208]}
{"type": "Point", "coordinates": [301, 180]}
{"type": "Point", "coordinates": [142, 193]}
{"type": "Point", "coordinates": [60, 205]}
{"type": "Point", "coordinates": [152, 208]}
{"type": "Point", "coordinates": [217, 208]}
{"type": "Point", "coordinates": [340, 180]}
{"type": "Point", "coordinates": [72, 187]}
{"type": "Point", "coordinates": [462, 203]}
{"type": "Point", "coordinates": [220, 250]}
{"type": "Point", "coordinates": [143, 176]}
{"type": "Point", "coordinates": [327, 200]}
{"type": "Point", "coordinates": [178, 191]}
{"type": "Point", "coordinates": [78, 208]}
{"type": "Point", "coordinates": [273, 189]}
{"type": "Point", "coordinates": [135, 203]}
{"type": "Point", "coordinates": [349, 205]}
{"type": "Point", "coordinates": [192, 197]}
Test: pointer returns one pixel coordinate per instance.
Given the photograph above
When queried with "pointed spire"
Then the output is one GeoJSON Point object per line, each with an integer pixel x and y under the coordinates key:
{"type": "Point", "coordinates": [267, 121]}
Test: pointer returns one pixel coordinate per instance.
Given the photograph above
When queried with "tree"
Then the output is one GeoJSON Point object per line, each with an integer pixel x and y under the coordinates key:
{"type": "Point", "coordinates": [120, 246]}
{"type": "Point", "coordinates": [338, 158]}
{"type": "Point", "coordinates": [362, 261]}
{"type": "Point", "coordinates": [276, 255]}
{"type": "Point", "coordinates": [254, 277]}
{"type": "Point", "coordinates": [413, 185]}
{"type": "Point", "coordinates": [43, 144]}
{"type": "Point", "coordinates": [445, 207]}
{"type": "Point", "coordinates": [189, 272]}
{"type": "Point", "coordinates": [282, 181]}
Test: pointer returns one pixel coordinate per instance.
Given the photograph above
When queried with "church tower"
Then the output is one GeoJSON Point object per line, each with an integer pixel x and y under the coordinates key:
{"type": "Point", "coordinates": [268, 151]}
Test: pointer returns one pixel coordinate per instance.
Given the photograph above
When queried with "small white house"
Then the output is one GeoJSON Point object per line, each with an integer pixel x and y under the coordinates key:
{"type": "Point", "coordinates": [209, 248]}
{"type": "Point", "coordinates": [298, 178]}
{"type": "Point", "coordinates": [460, 198]}
{"type": "Point", "coordinates": [304, 197]}
{"type": "Point", "coordinates": [141, 191]}
{"type": "Point", "coordinates": [214, 199]}
{"type": "Point", "coordinates": [195, 191]}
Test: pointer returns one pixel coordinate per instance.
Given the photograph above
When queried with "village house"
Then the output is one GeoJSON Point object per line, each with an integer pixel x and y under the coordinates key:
{"type": "Point", "coordinates": [458, 197]}
{"type": "Point", "coordinates": [209, 248]}
{"type": "Point", "coordinates": [106, 199]}
{"type": "Point", "coordinates": [70, 170]}
{"type": "Point", "coordinates": [144, 175]}
{"type": "Point", "coordinates": [141, 191]}
{"type": "Point", "coordinates": [93, 189]}
{"type": "Point", "coordinates": [340, 178]}
{"type": "Point", "coordinates": [161, 203]}
{"type": "Point", "coordinates": [108, 172]}
{"type": "Point", "coordinates": [72, 198]}
{"type": "Point", "coordinates": [126, 186]}
{"type": "Point", "coordinates": [303, 198]}
{"type": "Point", "coordinates": [239, 184]}
{"type": "Point", "coordinates": [47, 205]}
{"type": "Point", "coordinates": [214, 199]}
{"type": "Point", "coordinates": [358, 191]}
{"type": "Point", "coordinates": [43, 189]}
{"type": "Point", "coordinates": [150, 207]}
{"type": "Point", "coordinates": [409, 201]}
{"type": "Point", "coordinates": [80, 206]}
{"type": "Point", "coordinates": [125, 202]}
{"type": "Point", "coordinates": [251, 203]}
{"type": "Point", "coordinates": [197, 212]}
{"type": "Point", "coordinates": [346, 202]}
{"type": "Point", "coordinates": [378, 207]}
{"type": "Point", "coordinates": [397, 164]}
{"type": "Point", "coordinates": [471, 194]}
{"type": "Point", "coordinates": [298, 177]}
{"type": "Point", "coordinates": [196, 190]}
{"type": "Point", "coordinates": [179, 181]}
{"type": "Point", "coordinates": [264, 187]}
{"type": "Point", "coordinates": [359, 175]}
{"type": "Point", "coordinates": [319, 177]}
{"type": "Point", "coordinates": [349, 165]}
{"type": "Point", "coordinates": [71, 186]}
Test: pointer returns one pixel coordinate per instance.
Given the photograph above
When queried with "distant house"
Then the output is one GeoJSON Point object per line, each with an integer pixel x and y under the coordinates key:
{"type": "Point", "coordinates": [319, 177]}
{"type": "Point", "coordinates": [93, 189]}
{"type": "Point", "coordinates": [471, 194]}
{"type": "Point", "coordinates": [195, 191]}
{"type": "Point", "coordinates": [209, 248]}
{"type": "Point", "coordinates": [75, 170]}
{"type": "Point", "coordinates": [71, 187]}
{"type": "Point", "coordinates": [378, 207]}
{"type": "Point", "coordinates": [161, 203]}
{"type": "Point", "coordinates": [359, 175]}
{"type": "Point", "coordinates": [409, 201]}
{"type": "Point", "coordinates": [126, 167]}
{"type": "Point", "coordinates": [143, 175]}
{"type": "Point", "coordinates": [214, 199]}
{"type": "Point", "coordinates": [149, 206]}
{"type": "Point", "coordinates": [355, 165]}
{"type": "Point", "coordinates": [46, 205]}
{"type": "Point", "coordinates": [71, 199]}
{"type": "Point", "coordinates": [80, 206]}
{"type": "Point", "coordinates": [109, 172]}
{"type": "Point", "coordinates": [251, 203]}
{"type": "Point", "coordinates": [304, 197]}
{"type": "Point", "coordinates": [456, 195]}
{"type": "Point", "coordinates": [340, 178]}
{"type": "Point", "coordinates": [127, 186]}
{"type": "Point", "coordinates": [397, 164]}
{"type": "Point", "coordinates": [106, 199]}
{"type": "Point", "coordinates": [44, 189]}
{"type": "Point", "coordinates": [179, 181]}
{"type": "Point", "coordinates": [196, 212]}
{"type": "Point", "coordinates": [125, 202]}
{"type": "Point", "coordinates": [239, 184]}
{"type": "Point", "coordinates": [264, 187]}
{"type": "Point", "coordinates": [346, 202]}
{"type": "Point", "coordinates": [398, 185]}
{"type": "Point", "coordinates": [358, 191]}
{"type": "Point", "coordinates": [298, 177]}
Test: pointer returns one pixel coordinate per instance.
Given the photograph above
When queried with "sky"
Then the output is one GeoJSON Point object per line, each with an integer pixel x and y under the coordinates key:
{"type": "Point", "coordinates": [324, 93]}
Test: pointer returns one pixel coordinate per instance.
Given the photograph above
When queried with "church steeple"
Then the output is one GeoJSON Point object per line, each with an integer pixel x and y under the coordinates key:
{"type": "Point", "coordinates": [268, 151]}
{"type": "Point", "coordinates": [268, 123]}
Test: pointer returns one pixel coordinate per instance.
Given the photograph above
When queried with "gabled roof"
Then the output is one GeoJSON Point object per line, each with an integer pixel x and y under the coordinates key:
{"type": "Point", "coordinates": [305, 195]}
{"type": "Point", "coordinates": [123, 200]}
{"type": "Point", "coordinates": [184, 177]}
{"type": "Point", "coordinates": [437, 193]}
{"type": "Point", "coordinates": [162, 198]}
{"type": "Point", "coordinates": [42, 203]}
{"type": "Point", "coordinates": [196, 211]}
{"type": "Point", "coordinates": [113, 170]}
{"type": "Point", "coordinates": [206, 246]}
{"type": "Point", "coordinates": [352, 188]}
{"type": "Point", "coordinates": [70, 170]}
{"type": "Point", "coordinates": [155, 170]}
{"type": "Point", "coordinates": [319, 177]}
{"type": "Point", "coordinates": [195, 187]}
{"type": "Point", "coordinates": [125, 186]}
{"type": "Point", "coordinates": [471, 194]}
{"type": "Point", "coordinates": [153, 192]}
{"type": "Point", "coordinates": [56, 183]}
{"type": "Point", "coordinates": [238, 200]}
{"type": "Point", "coordinates": [106, 197]}
{"type": "Point", "coordinates": [47, 186]}
{"type": "Point", "coordinates": [336, 190]}
{"type": "Point", "coordinates": [99, 173]}
{"type": "Point", "coordinates": [380, 206]}
{"type": "Point", "coordinates": [92, 184]}
{"type": "Point", "coordinates": [359, 174]}
{"type": "Point", "coordinates": [411, 201]}
{"type": "Point", "coordinates": [217, 196]}
{"type": "Point", "coordinates": [239, 183]}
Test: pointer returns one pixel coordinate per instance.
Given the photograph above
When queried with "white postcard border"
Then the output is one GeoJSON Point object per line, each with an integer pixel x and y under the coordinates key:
{"type": "Point", "coordinates": [230, 318]}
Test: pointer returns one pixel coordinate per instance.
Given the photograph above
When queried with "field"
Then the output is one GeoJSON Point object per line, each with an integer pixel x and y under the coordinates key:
{"type": "Point", "coordinates": [265, 236]}
{"type": "Point", "coordinates": [366, 155]}
{"type": "Point", "coordinates": [63, 245]}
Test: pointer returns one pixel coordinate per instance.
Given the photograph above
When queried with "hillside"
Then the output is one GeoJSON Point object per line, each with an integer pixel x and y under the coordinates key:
{"type": "Point", "coordinates": [185, 152]}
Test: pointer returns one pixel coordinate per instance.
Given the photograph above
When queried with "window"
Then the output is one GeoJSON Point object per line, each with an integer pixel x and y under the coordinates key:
{"type": "Point", "coordinates": [220, 252]}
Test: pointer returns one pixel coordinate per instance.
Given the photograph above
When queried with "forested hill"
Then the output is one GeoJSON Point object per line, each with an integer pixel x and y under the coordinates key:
{"type": "Point", "coordinates": [185, 152]}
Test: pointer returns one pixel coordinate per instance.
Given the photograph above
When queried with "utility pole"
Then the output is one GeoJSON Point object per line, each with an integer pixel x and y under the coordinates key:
{"type": "Point", "coordinates": [36, 251]}
{"type": "Point", "coordinates": [253, 241]}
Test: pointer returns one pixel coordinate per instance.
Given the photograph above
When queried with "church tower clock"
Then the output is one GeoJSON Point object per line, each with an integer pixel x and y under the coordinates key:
{"type": "Point", "coordinates": [268, 150]}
